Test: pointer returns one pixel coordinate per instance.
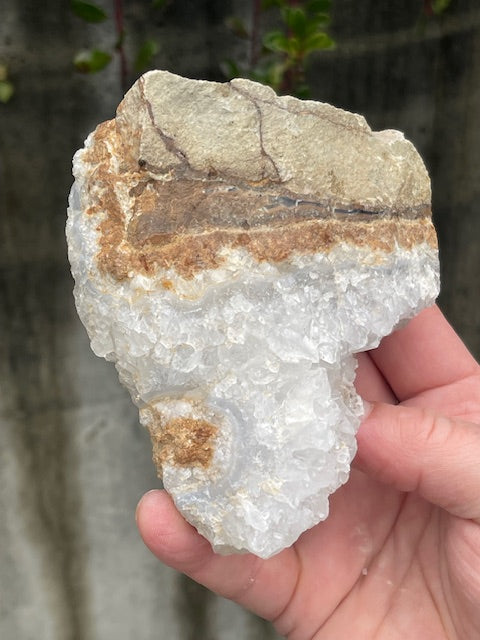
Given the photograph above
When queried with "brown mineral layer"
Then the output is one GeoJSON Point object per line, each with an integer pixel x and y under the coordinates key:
{"type": "Point", "coordinates": [182, 441]}
{"type": "Point", "coordinates": [191, 168]}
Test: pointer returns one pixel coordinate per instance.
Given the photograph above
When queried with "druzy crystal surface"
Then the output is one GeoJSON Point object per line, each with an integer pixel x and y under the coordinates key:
{"type": "Point", "coordinates": [232, 250]}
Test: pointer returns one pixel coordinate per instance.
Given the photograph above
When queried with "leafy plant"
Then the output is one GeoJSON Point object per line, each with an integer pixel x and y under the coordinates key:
{"type": "Point", "coordinates": [280, 57]}
{"type": "Point", "coordinates": [96, 59]}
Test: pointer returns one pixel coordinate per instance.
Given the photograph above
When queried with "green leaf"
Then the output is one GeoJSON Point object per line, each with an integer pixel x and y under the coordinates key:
{"type": "Point", "coordinates": [145, 54]}
{"type": "Point", "coordinates": [296, 20]}
{"type": "Point", "coordinates": [88, 11]}
{"type": "Point", "coordinates": [231, 69]}
{"type": "Point", "coordinates": [295, 47]}
{"type": "Point", "coordinates": [318, 42]}
{"type": "Point", "coordinates": [276, 41]}
{"type": "Point", "coordinates": [275, 73]}
{"type": "Point", "coordinates": [159, 4]}
{"type": "Point", "coordinates": [91, 60]}
{"type": "Point", "coordinates": [6, 91]}
{"type": "Point", "coordinates": [439, 6]}
{"type": "Point", "coordinates": [302, 91]}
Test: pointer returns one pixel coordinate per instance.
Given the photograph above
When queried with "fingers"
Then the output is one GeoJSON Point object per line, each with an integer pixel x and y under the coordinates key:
{"type": "Point", "coordinates": [263, 586]}
{"type": "Point", "coordinates": [417, 450]}
{"type": "Point", "coordinates": [427, 353]}
{"type": "Point", "coordinates": [370, 383]}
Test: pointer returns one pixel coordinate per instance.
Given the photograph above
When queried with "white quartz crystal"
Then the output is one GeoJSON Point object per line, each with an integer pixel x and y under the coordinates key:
{"type": "Point", "coordinates": [260, 350]}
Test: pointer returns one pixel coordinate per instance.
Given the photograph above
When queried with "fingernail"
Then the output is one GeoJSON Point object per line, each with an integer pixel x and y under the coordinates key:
{"type": "Point", "coordinates": [367, 408]}
{"type": "Point", "coordinates": [142, 499]}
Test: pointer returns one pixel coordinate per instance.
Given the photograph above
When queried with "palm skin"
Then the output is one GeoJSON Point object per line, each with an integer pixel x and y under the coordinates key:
{"type": "Point", "coordinates": [399, 555]}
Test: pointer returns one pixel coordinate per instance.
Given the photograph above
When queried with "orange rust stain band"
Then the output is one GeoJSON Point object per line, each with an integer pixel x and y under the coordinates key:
{"type": "Point", "coordinates": [151, 240]}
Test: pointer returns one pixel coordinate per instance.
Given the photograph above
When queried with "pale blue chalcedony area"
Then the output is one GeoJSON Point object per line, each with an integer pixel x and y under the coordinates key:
{"type": "Point", "coordinates": [264, 352]}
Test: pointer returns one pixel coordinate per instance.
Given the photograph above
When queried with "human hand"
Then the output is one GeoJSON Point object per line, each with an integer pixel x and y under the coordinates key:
{"type": "Point", "coordinates": [399, 555]}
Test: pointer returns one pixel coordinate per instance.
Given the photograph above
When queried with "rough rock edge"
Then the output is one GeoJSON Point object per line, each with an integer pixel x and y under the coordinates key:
{"type": "Point", "coordinates": [141, 231]}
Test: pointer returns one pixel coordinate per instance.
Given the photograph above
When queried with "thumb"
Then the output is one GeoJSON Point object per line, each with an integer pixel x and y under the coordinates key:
{"type": "Point", "coordinates": [419, 450]}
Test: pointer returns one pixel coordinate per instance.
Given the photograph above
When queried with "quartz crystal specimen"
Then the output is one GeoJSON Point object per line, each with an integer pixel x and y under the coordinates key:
{"type": "Point", "coordinates": [232, 250]}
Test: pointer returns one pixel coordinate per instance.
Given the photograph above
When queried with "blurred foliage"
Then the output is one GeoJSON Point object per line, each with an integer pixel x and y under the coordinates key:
{"type": "Point", "coordinates": [91, 60]}
{"type": "Point", "coordinates": [278, 41]}
{"type": "Point", "coordinates": [88, 11]}
{"type": "Point", "coordinates": [145, 55]}
{"type": "Point", "coordinates": [6, 87]}
{"type": "Point", "coordinates": [279, 56]}
{"type": "Point", "coordinates": [96, 59]}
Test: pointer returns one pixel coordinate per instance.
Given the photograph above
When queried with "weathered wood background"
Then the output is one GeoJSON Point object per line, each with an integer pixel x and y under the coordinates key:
{"type": "Point", "coordinates": [73, 460]}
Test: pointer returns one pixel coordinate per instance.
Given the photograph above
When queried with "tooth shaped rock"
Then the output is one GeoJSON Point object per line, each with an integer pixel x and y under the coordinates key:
{"type": "Point", "coordinates": [232, 250]}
